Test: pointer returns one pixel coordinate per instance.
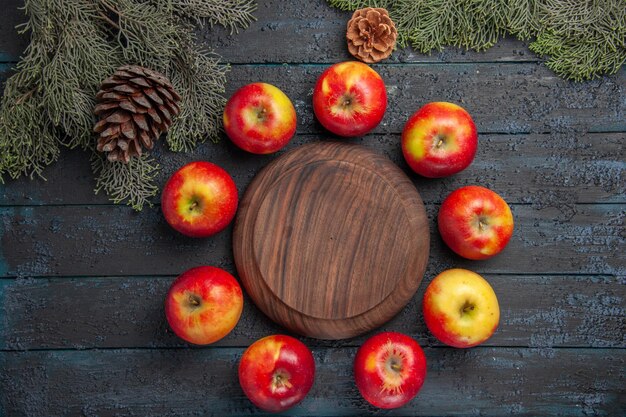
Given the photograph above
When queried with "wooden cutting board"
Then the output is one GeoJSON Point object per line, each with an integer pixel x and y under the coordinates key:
{"type": "Point", "coordinates": [331, 240]}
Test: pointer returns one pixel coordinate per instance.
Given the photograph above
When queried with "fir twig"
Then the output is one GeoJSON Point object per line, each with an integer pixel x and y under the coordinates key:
{"type": "Point", "coordinates": [232, 14]}
{"type": "Point", "coordinates": [27, 141]}
{"type": "Point", "coordinates": [200, 79]}
{"type": "Point", "coordinates": [149, 33]}
{"type": "Point", "coordinates": [359, 4]}
{"type": "Point", "coordinates": [132, 183]}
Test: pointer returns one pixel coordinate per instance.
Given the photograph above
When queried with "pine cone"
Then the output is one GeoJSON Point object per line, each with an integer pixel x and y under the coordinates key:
{"type": "Point", "coordinates": [135, 106]}
{"type": "Point", "coordinates": [371, 35]}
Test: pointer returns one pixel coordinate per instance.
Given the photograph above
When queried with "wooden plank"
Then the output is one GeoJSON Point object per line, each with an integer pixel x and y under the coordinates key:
{"type": "Point", "coordinates": [114, 240]}
{"type": "Point", "coordinates": [318, 29]}
{"type": "Point", "coordinates": [192, 382]}
{"type": "Point", "coordinates": [311, 31]}
{"type": "Point", "coordinates": [534, 168]}
{"type": "Point", "coordinates": [116, 312]}
{"type": "Point", "coordinates": [105, 270]}
{"type": "Point", "coordinates": [501, 97]}
{"type": "Point", "coordinates": [12, 45]}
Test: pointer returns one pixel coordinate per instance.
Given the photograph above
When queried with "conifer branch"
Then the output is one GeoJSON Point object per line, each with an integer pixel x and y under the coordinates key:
{"type": "Point", "coordinates": [74, 45]}
{"type": "Point", "coordinates": [581, 39]}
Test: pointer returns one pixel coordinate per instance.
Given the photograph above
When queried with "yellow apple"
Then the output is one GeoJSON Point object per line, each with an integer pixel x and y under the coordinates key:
{"type": "Point", "coordinates": [460, 308]}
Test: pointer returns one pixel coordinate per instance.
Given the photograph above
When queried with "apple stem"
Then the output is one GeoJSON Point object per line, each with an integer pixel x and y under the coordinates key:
{"type": "Point", "coordinates": [193, 300]}
{"type": "Point", "coordinates": [396, 366]}
{"type": "Point", "coordinates": [346, 100]}
{"type": "Point", "coordinates": [467, 307]}
{"type": "Point", "coordinates": [193, 205]}
{"type": "Point", "coordinates": [439, 141]}
{"type": "Point", "coordinates": [280, 379]}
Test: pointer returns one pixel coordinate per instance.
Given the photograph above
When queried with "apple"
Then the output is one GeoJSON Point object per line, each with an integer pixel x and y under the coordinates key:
{"type": "Point", "coordinates": [349, 99]}
{"type": "Point", "coordinates": [276, 372]}
{"type": "Point", "coordinates": [389, 369]}
{"type": "Point", "coordinates": [203, 305]}
{"type": "Point", "coordinates": [460, 308]}
{"type": "Point", "coordinates": [475, 222]}
{"type": "Point", "coordinates": [259, 118]}
{"type": "Point", "coordinates": [199, 200]}
{"type": "Point", "coordinates": [439, 140]}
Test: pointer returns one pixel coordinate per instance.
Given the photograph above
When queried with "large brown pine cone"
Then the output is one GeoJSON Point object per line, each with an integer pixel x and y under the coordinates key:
{"type": "Point", "coordinates": [371, 34]}
{"type": "Point", "coordinates": [135, 106]}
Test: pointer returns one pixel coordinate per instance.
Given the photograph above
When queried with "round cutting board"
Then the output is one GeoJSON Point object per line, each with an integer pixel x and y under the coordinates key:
{"type": "Point", "coordinates": [331, 240]}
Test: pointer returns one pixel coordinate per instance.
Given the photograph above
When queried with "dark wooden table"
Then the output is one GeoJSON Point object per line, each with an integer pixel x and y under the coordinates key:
{"type": "Point", "coordinates": [82, 328]}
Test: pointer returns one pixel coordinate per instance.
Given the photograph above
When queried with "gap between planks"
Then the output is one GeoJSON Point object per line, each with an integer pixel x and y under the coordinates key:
{"type": "Point", "coordinates": [157, 204]}
{"type": "Point", "coordinates": [316, 347]}
{"type": "Point", "coordinates": [11, 278]}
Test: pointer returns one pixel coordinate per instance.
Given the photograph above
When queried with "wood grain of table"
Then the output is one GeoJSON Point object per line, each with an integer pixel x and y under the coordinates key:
{"type": "Point", "coordinates": [82, 281]}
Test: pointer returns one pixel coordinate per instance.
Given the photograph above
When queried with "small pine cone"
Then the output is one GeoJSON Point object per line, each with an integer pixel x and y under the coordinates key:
{"type": "Point", "coordinates": [134, 106]}
{"type": "Point", "coordinates": [371, 35]}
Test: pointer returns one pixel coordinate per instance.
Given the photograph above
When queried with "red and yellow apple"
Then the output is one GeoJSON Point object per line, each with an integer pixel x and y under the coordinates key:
{"type": "Point", "coordinates": [260, 118]}
{"type": "Point", "coordinates": [475, 222]}
{"type": "Point", "coordinates": [389, 369]}
{"type": "Point", "coordinates": [349, 99]}
{"type": "Point", "coordinates": [276, 372]}
{"type": "Point", "coordinates": [439, 140]}
{"type": "Point", "coordinates": [460, 308]}
{"type": "Point", "coordinates": [203, 305]}
{"type": "Point", "coordinates": [199, 200]}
